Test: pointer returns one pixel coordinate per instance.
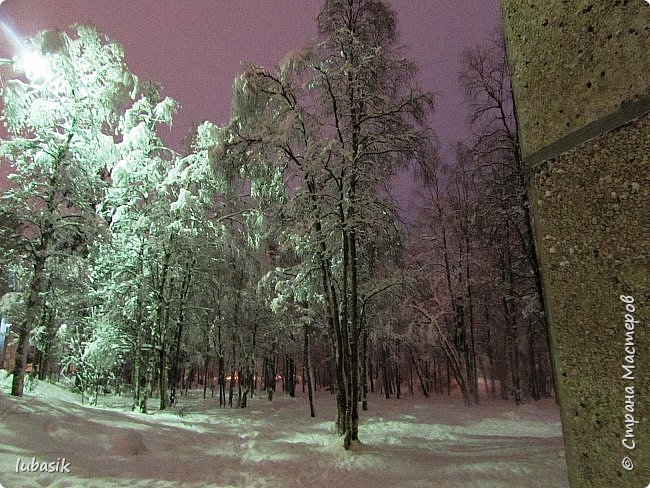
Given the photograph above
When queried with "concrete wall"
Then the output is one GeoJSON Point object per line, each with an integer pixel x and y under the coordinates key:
{"type": "Point", "coordinates": [574, 62]}
{"type": "Point", "coordinates": [581, 76]}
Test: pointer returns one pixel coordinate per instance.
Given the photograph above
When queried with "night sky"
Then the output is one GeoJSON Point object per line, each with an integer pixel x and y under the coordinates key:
{"type": "Point", "coordinates": [195, 48]}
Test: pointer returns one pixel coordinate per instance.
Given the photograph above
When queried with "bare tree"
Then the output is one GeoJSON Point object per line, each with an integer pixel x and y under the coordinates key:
{"type": "Point", "coordinates": [505, 210]}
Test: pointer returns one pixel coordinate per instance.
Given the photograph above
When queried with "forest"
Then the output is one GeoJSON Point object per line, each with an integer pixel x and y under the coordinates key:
{"type": "Point", "coordinates": [268, 255]}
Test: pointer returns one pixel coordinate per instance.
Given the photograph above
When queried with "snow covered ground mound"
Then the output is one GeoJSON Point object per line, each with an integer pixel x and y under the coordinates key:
{"type": "Point", "coordinates": [406, 443]}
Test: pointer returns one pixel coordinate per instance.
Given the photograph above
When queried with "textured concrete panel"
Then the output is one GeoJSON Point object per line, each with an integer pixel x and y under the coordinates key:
{"type": "Point", "coordinates": [574, 61]}
{"type": "Point", "coordinates": [591, 208]}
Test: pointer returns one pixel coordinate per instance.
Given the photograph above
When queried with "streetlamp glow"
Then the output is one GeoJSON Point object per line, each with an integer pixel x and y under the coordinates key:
{"type": "Point", "coordinates": [35, 66]}
{"type": "Point", "coordinates": [28, 59]}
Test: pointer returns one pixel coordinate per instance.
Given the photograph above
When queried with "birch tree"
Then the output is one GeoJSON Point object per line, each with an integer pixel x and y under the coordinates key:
{"type": "Point", "coordinates": [318, 136]}
{"type": "Point", "coordinates": [61, 120]}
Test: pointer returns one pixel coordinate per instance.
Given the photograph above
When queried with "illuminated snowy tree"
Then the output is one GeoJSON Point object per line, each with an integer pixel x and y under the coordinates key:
{"type": "Point", "coordinates": [319, 137]}
{"type": "Point", "coordinates": [61, 119]}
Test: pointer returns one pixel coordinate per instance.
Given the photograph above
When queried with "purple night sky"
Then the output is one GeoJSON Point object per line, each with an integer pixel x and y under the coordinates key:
{"type": "Point", "coordinates": [196, 48]}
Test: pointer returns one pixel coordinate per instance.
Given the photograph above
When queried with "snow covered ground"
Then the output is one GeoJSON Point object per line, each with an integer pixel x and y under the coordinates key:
{"type": "Point", "coordinates": [407, 443]}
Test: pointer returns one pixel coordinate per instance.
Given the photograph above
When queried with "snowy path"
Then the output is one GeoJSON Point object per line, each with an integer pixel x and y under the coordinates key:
{"type": "Point", "coordinates": [408, 443]}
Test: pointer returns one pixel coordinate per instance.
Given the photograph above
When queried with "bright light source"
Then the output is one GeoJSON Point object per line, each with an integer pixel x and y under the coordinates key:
{"type": "Point", "coordinates": [28, 60]}
{"type": "Point", "coordinates": [35, 65]}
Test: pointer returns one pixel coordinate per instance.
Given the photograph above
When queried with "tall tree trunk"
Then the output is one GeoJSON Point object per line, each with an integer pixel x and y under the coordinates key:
{"type": "Point", "coordinates": [398, 373]}
{"type": "Point", "coordinates": [346, 332]}
{"type": "Point", "coordinates": [244, 384]}
{"type": "Point", "coordinates": [222, 369]}
{"type": "Point", "coordinates": [269, 375]}
{"type": "Point", "coordinates": [137, 359]}
{"type": "Point", "coordinates": [173, 383]}
{"type": "Point", "coordinates": [418, 371]}
{"type": "Point", "coordinates": [364, 369]}
{"type": "Point", "coordinates": [512, 339]}
{"type": "Point", "coordinates": [332, 306]}
{"type": "Point", "coordinates": [490, 351]}
{"type": "Point", "coordinates": [291, 376]}
{"type": "Point", "coordinates": [32, 306]}
{"type": "Point", "coordinates": [162, 380]}
{"type": "Point", "coordinates": [47, 353]}
{"type": "Point", "coordinates": [161, 322]}
{"type": "Point", "coordinates": [353, 338]}
{"type": "Point", "coordinates": [472, 376]}
{"type": "Point", "coordinates": [309, 371]}
{"type": "Point", "coordinates": [371, 374]}
{"type": "Point", "coordinates": [206, 366]}
{"type": "Point", "coordinates": [180, 322]}
{"type": "Point", "coordinates": [532, 358]}
{"type": "Point", "coordinates": [231, 386]}
{"type": "Point", "coordinates": [386, 371]}
{"type": "Point", "coordinates": [146, 391]}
